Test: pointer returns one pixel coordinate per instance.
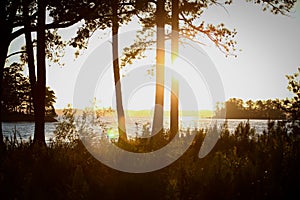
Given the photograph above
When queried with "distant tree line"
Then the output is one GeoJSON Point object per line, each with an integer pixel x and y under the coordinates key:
{"type": "Point", "coordinates": [235, 108]}
{"type": "Point", "coordinates": [17, 98]}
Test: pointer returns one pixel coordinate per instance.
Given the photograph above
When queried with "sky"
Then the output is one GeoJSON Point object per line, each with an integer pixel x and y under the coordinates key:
{"type": "Point", "coordinates": [270, 50]}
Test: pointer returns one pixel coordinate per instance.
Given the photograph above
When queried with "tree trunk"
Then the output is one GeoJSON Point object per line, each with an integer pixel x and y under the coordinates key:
{"type": "Point", "coordinates": [7, 18]}
{"type": "Point", "coordinates": [116, 69]}
{"type": "Point", "coordinates": [160, 68]}
{"type": "Point", "coordinates": [30, 60]}
{"type": "Point", "coordinates": [175, 86]}
{"type": "Point", "coordinates": [39, 132]}
{"type": "Point", "coordinates": [3, 53]}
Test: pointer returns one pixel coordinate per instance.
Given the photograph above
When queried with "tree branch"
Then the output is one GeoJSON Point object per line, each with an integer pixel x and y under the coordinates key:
{"type": "Point", "coordinates": [15, 53]}
{"type": "Point", "coordinates": [54, 25]}
{"type": "Point", "coordinates": [21, 22]}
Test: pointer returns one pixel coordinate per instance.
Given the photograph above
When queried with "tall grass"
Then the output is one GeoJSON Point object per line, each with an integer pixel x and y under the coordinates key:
{"type": "Point", "coordinates": [242, 165]}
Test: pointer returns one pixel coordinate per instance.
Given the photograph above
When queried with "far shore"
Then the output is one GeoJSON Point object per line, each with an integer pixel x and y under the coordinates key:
{"type": "Point", "coordinates": [19, 117]}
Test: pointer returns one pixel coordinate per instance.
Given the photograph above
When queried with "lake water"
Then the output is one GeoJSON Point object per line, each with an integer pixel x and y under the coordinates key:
{"type": "Point", "coordinates": [134, 126]}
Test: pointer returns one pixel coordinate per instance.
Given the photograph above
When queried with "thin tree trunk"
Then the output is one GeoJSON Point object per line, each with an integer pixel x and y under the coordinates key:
{"type": "Point", "coordinates": [118, 89]}
{"type": "Point", "coordinates": [6, 23]}
{"type": "Point", "coordinates": [3, 53]}
{"type": "Point", "coordinates": [39, 132]}
{"type": "Point", "coordinates": [30, 60]}
{"type": "Point", "coordinates": [175, 86]}
{"type": "Point", "coordinates": [160, 68]}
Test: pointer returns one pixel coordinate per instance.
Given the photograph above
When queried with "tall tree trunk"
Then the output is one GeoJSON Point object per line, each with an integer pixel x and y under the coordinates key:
{"type": "Point", "coordinates": [160, 68]}
{"type": "Point", "coordinates": [175, 86]}
{"type": "Point", "coordinates": [39, 132]}
{"type": "Point", "coordinates": [5, 42]}
{"type": "Point", "coordinates": [6, 23]}
{"type": "Point", "coordinates": [30, 58]}
{"type": "Point", "coordinates": [3, 53]}
{"type": "Point", "coordinates": [116, 69]}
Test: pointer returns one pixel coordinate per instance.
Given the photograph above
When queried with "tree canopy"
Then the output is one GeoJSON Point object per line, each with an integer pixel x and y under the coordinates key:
{"type": "Point", "coordinates": [261, 109]}
{"type": "Point", "coordinates": [17, 97]}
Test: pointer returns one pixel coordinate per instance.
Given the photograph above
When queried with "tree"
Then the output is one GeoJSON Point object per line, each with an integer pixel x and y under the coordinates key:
{"type": "Point", "coordinates": [116, 70]}
{"type": "Point", "coordinates": [30, 62]}
{"type": "Point", "coordinates": [20, 17]}
{"type": "Point", "coordinates": [17, 95]}
{"type": "Point", "coordinates": [15, 89]}
{"type": "Point", "coordinates": [39, 131]}
{"type": "Point", "coordinates": [292, 106]}
{"type": "Point", "coordinates": [30, 16]}
{"type": "Point", "coordinates": [111, 14]}
{"type": "Point", "coordinates": [160, 67]}
{"type": "Point", "coordinates": [190, 13]}
{"type": "Point", "coordinates": [260, 109]}
{"type": "Point", "coordinates": [234, 108]}
{"type": "Point", "coordinates": [49, 101]}
{"type": "Point", "coordinates": [186, 12]}
{"type": "Point", "coordinates": [174, 87]}
{"type": "Point", "coordinates": [8, 12]}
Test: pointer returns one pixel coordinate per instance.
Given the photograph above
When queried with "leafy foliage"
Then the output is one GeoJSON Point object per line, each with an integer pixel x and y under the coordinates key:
{"type": "Point", "coordinates": [17, 96]}
{"type": "Point", "coordinates": [275, 6]}
{"type": "Point", "coordinates": [16, 89]}
{"type": "Point", "coordinates": [55, 46]}
{"type": "Point", "coordinates": [260, 109]}
{"type": "Point", "coordinates": [66, 132]}
{"type": "Point", "coordinates": [97, 15]}
{"type": "Point", "coordinates": [190, 26]}
{"type": "Point", "coordinates": [241, 166]}
{"type": "Point", "coordinates": [189, 29]}
{"type": "Point", "coordinates": [293, 105]}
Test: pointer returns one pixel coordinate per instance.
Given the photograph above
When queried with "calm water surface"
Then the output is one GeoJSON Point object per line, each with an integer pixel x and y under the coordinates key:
{"type": "Point", "coordinates": [134, 126]}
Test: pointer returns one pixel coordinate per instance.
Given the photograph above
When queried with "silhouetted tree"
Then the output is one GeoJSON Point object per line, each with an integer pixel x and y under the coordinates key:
{"type": "Point", "coordinates": [39, 131]}
{"type": "Point", "coordinates": [30, 59]}
{"type": "Point", "coordinates": [115, 7]}
{"type": "Point", "coordinates": [15, 88]}
{"type": "Point", "coordinates": [158, 116]}
{"type": "Point", "coordinates": [190, 13]}
{"type": "Point", "coordinates": [49, 102]}
{"type": "Point", "coordinates": [109, 14]}
{"type": "Point", "coordinates": [174, 110]}
{"type": "Point", "coordinates": [260, 109]}
{"type": "Point", "coordinates": [8, 17]}
{"type": "Point", "coordinates": [293, 105]}
{"type": "Point", "coordinates": [17, 95]}
{"type": "Point", "coordinates": [20, 17]}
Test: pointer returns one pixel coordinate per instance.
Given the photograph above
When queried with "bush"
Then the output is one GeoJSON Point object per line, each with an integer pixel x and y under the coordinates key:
{"type": "Point", "coordinates": [242, 165]}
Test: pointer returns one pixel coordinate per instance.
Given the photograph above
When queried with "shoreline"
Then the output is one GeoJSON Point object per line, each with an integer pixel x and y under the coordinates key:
{"type": "Point", "coordinates": [13, 117]}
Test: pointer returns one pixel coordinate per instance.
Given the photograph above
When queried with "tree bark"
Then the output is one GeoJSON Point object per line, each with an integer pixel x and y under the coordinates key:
{"type": "Point", "coordinates": [30, 58]}
{"type": "Point", "coordinates": [175, 86]}
{"type": "Point", "coordinates": [39, 132]}
{"type": "Point", "coordinates": [160, 68]}
{"type": "Point", "coordinates": [3, 52]}
{"type": "Point", "coordinates": [6, 20]}
{"type": "Point", "coordinates": [116, 69]}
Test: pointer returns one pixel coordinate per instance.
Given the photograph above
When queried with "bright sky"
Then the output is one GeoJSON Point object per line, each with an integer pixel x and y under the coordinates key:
{"type": "Point", "coordinates": [270, 50]}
